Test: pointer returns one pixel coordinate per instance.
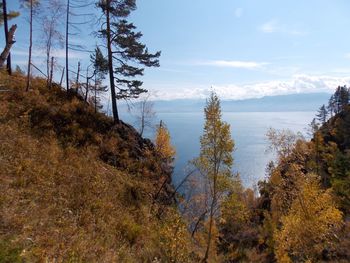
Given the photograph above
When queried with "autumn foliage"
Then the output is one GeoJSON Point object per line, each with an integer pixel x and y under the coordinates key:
{"type": "Point", "coordinates": [76, 188]}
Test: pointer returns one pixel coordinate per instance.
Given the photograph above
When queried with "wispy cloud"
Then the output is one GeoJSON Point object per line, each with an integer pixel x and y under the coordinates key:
{"type": "Point", "coordinates": [297, 84]}
{"type": "Point", "coordinates": [238, 12]}
{"type": "Point", "coordinates": [271, 26]}
{"type": "Point", "coordinates": [274, 26]}
{"type": "Point", "coordinates": [232, 64]}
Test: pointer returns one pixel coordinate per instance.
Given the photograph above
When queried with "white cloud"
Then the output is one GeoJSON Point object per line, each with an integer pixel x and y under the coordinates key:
{"type": "Point", "coordinates": [233, 64]}
{"type": "Point", "coordinates": [347, 55]}
{"type": "Point", "coordinates": [274, 26]}
{"type": "Point", "coordinates": [298, 84]}
{"type": "Point", "coordinates": [270, 27]}
{"type": "Point", "coordinates": [238, 12]}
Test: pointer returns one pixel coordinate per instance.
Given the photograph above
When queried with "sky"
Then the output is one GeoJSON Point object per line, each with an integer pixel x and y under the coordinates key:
{"type": "Point", "coordinates": [240, 48]}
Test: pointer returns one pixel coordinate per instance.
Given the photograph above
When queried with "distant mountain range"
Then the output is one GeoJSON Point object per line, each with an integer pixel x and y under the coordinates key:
{"type": "Point", "coordinates": [294, 102]}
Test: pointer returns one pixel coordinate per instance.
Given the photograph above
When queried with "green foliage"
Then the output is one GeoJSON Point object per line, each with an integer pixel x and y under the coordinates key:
{"type": "Point", "coordinates": [131, 55]}
{"type": "Point", "coordinates": [322, 114]}
{"type": "Point", "coordinates": [8, 253]}
{"type": "Point", "coordinates": [10, 14]}
{"type": "Point", "coordinates": [340, 178]}
{"type": "Point", "coordinates": [99, 62]}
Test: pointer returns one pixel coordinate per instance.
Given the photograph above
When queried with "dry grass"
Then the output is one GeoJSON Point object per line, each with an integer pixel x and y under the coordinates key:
{"type": "Point", "coordinates": [73, 187]}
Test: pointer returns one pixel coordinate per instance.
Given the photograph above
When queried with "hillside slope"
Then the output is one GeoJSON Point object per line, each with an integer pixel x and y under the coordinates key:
{"type": "Point", "coordinates": [74, 187]}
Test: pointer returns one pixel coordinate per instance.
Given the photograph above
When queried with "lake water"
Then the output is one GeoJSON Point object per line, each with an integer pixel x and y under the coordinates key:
{"type": "Point", "coordinates": [248, 130]}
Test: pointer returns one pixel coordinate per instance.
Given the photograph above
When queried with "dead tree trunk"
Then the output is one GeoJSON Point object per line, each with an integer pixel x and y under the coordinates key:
{"type": "Point", "coordinates": [77, 80]}
{"type": "Point", "coordinates": [67, 45]}
{"type": "Point", "coordinates": [62, 77]}
{"type": "Point", "coordinates": [30, 45]}
{"type": "Point", "coordinates": [5, 53]}
{"type": "Point", "coordinates": [51, 73]}
{"type": "Point", "coordinates": [6, 28]}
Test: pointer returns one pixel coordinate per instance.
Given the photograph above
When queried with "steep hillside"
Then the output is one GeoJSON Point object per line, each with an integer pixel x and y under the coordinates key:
{"type": "Point", "coordinates": [333, 146]}
{"type": "Point", "coordinates": [74, 187]}
{"type": "Point", "coordinates": [337, 130]}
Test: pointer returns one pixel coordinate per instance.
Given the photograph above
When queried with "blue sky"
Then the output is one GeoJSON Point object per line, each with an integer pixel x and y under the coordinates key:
{"type": "Point", "coordinates": [241, 48]}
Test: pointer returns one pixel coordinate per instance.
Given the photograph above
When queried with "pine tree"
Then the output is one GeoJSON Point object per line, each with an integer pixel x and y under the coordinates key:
{"type": "Point", "coordinates": [100, 65]}
{"type": "Point", "coordinates": [126, 54]}
{"type": "Point", "coordinates": [331, 106]}
{"type": "Point", "coordinates": [4, 17]}
{"type": "Point", "coordinates": [322, 114]}
{"type": "Point", "coordinates": [313, 127]}
{"type": "Point", "coordinates": [341, 99]}
{"type": "Point", "coordinates": [344, 97]}
{"type": "Point", "coordinates": [4, 12]}
{"type": "Point", "coordinates": [215, 160]}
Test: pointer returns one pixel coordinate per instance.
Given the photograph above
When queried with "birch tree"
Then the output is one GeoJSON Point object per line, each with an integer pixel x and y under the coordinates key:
{"type": "Point", "coordinates": [215, 161]}
{"type": "Point", "coordinates": [51, 36]}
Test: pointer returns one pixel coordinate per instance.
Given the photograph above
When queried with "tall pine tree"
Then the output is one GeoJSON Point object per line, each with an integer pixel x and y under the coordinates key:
{"type": "Point", "coordinates": [127, 56]}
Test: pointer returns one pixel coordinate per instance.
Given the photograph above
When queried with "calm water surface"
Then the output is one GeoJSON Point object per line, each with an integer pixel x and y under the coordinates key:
{"type": "Point", "coordinates": [248, 130]}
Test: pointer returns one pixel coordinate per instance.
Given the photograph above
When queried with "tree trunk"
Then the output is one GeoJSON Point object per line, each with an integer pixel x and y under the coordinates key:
{"type": "Point", "coordinates": [212, 206]}
{"type": "Point", "coordinates": [95, 95]}
{"type": "Point", "coordinates": [5, 53]}
{"type": "Point", "coordinates": [51, 73]}
{"type": "Point", "coordinates": [110, 65]}
{"type": "Point", "coordinates": [4, 10]}
{"type": "Point", "coordinates": [77, 80]}
{"type": "Point", "coordinates": [67, 42]}
{"type": "Point", "coordinates": [87, 85]}
{"type": "Point", "coordinates": [62, 77]}
{"type": "Point", "coordinates": [48, 54]}
{"type": "Point", "coordinates": [211, 217]}
{"type": "Point", "coordinates": [200, 218]}
{"type": "Point", "coordinates": [30, 45]}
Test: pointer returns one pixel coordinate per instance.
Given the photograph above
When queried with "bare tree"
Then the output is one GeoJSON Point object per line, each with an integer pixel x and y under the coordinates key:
{"type": "Point", "coordinates": [51, 19]}
{"type": "Point", "coordinates": [282, 141]}
{"type": "Point", "coordinates": [72, 27]}
{"type": "Point", "coordinates": [143, 110]}
{"type": "Point", "coordinates": [32, 5]}
{"type": "Point", "coordinates": [11, 40]}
